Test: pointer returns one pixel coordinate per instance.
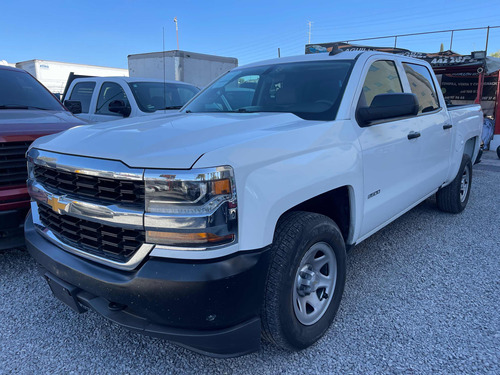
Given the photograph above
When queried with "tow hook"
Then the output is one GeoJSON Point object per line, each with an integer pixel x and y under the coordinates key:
{"type": "Point", "coordinates": [114, 306]}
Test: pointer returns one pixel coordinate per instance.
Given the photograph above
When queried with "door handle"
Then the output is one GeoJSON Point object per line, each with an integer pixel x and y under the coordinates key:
{"type": "Point", "coordinates": [413, 135]}
{"type": "Point", "coordinates": [447, 126]}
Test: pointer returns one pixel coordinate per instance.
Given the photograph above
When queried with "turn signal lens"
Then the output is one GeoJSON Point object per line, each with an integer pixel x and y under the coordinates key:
{"type": "Point", "coordinates": [187, 239]}
{"type": "Point", "coordinates": [222, 187]}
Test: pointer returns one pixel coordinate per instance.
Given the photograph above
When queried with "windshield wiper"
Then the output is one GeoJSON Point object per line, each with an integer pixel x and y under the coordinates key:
{"type": "Point", "coordinates": [244, 110]}
{"type": "Point", "coordinates": [13, 106]}
{"type": "Point", "coordinates": [16, 106]}
{"type": "Point", "coordinates": [172, 107]}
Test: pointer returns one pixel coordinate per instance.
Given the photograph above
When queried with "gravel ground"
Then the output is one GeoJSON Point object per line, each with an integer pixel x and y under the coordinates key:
{"type": "Point", "coordinates": [422, 296]}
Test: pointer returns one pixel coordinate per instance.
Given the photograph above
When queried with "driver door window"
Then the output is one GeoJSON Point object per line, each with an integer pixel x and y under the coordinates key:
{"type": "Point", "coordinates": [382, 78]}
{"type": "Point", "coordinates": [109, 92]}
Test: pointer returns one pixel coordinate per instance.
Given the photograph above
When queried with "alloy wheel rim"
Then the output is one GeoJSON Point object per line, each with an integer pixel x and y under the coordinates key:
{"type": "Point", "coordinates": [464, 184]}
{"type": "Point", "coordinates": [314, 283]}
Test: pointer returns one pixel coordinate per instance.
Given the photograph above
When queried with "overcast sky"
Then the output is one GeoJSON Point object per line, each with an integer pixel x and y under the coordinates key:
{"type": "Point", "coordinates": [105, 32]}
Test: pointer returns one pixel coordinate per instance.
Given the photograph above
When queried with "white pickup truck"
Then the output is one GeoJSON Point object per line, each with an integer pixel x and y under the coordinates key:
{"type": "Point", "coordinates": [233, 217]}
{"type": "Point", "coordinates": [99, 99]}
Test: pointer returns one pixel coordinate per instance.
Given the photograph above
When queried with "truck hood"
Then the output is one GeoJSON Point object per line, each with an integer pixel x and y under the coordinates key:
{"type": "Point", "coordinates": [20, 124]}
{"type": "Point", "coordinates": [170, 142]}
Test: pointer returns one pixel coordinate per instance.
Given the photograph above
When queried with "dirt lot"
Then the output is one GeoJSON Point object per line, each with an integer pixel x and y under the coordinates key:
{"type": "Point", "coordinates": [422, 296]}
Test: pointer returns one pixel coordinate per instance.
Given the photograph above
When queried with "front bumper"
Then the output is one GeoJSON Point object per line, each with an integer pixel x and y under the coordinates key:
{"type": "Point", "coordinates": [210, 306]}
{"type": "Point", "coordinates": [11, 228]}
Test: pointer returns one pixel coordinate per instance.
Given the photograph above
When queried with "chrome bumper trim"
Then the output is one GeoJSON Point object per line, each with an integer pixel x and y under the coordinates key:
{"type": "Point", "coordinates": [131, 264]}
{"type": "Point", "coordinates": [104, 214]}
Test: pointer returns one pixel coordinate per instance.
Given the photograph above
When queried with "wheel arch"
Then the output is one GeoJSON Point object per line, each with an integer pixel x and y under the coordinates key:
{"type": "Point", "coordinates": [337, 204]}
{"type": "Point", "coordinates": [470, 147]}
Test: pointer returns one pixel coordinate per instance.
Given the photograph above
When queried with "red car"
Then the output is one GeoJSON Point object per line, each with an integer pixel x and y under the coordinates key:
{"type": "Point", "coordinates": [27, 111]}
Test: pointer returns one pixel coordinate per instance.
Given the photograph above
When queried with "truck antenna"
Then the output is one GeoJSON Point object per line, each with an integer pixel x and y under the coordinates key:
{"type": "Point", "coordinates": [164, 73]}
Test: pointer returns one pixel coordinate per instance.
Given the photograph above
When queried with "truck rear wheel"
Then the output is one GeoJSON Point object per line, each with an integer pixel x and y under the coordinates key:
{"type": "Point", "coordinates": [454, 197]}
{"type": "Point", "coordinates": [305, 281]}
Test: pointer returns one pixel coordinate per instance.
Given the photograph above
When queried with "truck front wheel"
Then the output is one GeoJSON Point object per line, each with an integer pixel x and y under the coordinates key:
{"type": "Point", "coordinates": [305, 281]}
{"type": "Point", "coordinates": [454, 197]}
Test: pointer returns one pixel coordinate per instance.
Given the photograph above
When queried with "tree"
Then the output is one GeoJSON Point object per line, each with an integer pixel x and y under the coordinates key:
{"type": "Point", "coordinates": [495, 54]}
{"type": "Point", "coordinates": [441, 49]}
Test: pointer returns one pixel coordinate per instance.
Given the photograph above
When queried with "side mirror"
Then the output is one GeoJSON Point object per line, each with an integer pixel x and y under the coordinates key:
{"type": "Point", "coordinates": [119, 106]}
{"type": "Point", "coordinates": [74, 106]}
{"type": "Point", "coordinates": [386, 106]}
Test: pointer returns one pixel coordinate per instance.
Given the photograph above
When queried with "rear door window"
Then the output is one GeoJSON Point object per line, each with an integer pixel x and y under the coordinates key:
{"type": "Point", "coordinates": [82, 92]}
{"type": "Point", "coordinates": [422, 86]}
{"type": "Point", "coordinates": [382, 78]}
{"type": "Point", "coordinates": [110, 91]}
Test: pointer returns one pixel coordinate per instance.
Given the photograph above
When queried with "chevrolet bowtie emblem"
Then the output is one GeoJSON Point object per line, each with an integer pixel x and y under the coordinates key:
{"type": "Point", "coordinates": [55, 204]}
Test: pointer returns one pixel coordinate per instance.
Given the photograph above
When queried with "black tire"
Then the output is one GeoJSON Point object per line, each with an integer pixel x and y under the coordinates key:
{"type": "Point", "coordinates": [295, 235]}
{"type": "Point", "coordinates": [453, 198]}
{"type": "Point", "coordinates": [479, 155]}
{"type": "Point", "coordinates": [498, 152]}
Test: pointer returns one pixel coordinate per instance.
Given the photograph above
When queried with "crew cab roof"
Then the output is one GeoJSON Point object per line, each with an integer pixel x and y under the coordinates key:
{"type": "Point", "coordinates": [347, 55]}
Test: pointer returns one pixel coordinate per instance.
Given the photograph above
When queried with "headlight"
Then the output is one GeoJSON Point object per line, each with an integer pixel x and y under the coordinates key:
{"type": "Point", "coordinates": [193, 210]}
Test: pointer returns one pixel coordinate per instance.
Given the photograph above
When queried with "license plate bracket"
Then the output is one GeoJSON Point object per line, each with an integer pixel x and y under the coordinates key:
{"type": "Point", "coordinates": [65, 292]}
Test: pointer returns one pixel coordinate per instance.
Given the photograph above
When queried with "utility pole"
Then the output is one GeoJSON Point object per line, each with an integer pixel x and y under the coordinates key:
{"type": "Point", "coordinates": [310, 26]}
{"type": "Point", "coordinates": [487, 38]}
{"type": "Point", "coordinates": [177, 32]}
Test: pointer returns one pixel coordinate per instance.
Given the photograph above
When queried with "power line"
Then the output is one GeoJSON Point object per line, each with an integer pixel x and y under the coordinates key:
{"type": "Point", "coordinates": [424, 33]}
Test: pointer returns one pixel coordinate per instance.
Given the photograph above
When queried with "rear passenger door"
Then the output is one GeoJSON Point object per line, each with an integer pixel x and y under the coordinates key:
{"type": "Point", "coordinates": [390, 160]}
{"type": "Point", "coordinates": [434, 123]}
{"type": "Point", "coordinates": [82, 92]}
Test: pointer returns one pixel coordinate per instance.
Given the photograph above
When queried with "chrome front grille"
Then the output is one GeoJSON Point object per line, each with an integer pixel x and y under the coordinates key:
{"type": "Point", "coordinates": [91, 187]}
{"type": "Point", "coordinates": [90, 207]}
{"type": "Point", "coordinates": [101, 240]}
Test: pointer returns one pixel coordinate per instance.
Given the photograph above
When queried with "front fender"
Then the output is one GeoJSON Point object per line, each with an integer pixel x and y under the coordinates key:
{"type": "Point", "coordinates": [288, 166]}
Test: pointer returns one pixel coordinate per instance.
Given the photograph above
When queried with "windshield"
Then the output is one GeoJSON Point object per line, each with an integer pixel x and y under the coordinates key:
{"type": "Point", "coordinates": [19, 90]}
{"type": "Point", "coordinates": [154, 96]}
{"type": "Point", "coordinates": [310, 90]}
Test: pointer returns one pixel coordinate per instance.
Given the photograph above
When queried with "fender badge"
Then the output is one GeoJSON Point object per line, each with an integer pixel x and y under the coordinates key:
{"type": "Point", "coordinates": [371, 195]}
